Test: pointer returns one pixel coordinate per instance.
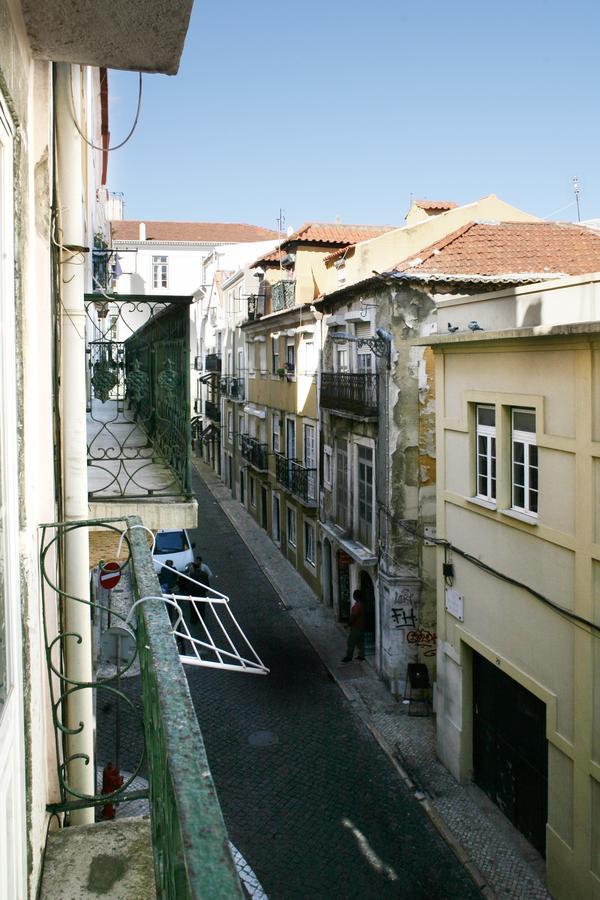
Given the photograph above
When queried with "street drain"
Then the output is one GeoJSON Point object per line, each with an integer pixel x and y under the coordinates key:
{"type": "Point", "coordinates": [263, 739]}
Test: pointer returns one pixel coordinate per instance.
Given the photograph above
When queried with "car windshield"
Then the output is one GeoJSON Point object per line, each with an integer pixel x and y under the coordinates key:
{"type": "Point", "coordinates": [170, 542]}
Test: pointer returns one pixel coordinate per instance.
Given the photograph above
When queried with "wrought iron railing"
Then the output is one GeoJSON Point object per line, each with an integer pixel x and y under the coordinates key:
{"type": "Point", "coordinates": [212, 362]}
{"type": "Point", "coordinates": [283, 295]}
{"type": "Point", "coordinates": [212, 410]}
{"type": "Point", "coordinates": [296, 478]}
{"type": "Point", "coordinates": [254, 452]}
{"type": "Point", "coordinates": [191, 857]}
{"type": "Point", "coordinates": [354, 392]}
{"type": "Point", "coordinates": [139, 442]}
{"type": "Point", "coordinates": [233, 387]}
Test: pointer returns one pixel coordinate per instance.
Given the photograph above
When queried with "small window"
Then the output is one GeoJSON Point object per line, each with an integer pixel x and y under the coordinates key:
{"type": "Point", "coordinates": [290, 357]}
{"type": "Point", "coordinates": [275, 354]}
{"type": "Point", "coordinates": [276, 433]}
{"type": "Point", "coordinates": [229, 425]}
{"type": "Point", "coordinates": [309, 543]}
{"type": "Point", "coordinates": [159, 271]}
{"type": "Point", "coordinates": [524, 462]}
{"type": "Point", "coordinates": [486, 453]}
{"type": "Point", "coordinates": [291, 526]}
{"type": "Point", "coordinates": [327, 468]}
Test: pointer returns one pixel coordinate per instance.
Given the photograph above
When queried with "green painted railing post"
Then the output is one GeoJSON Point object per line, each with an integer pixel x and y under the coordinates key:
{"type": "Point", "coordinates": [191, 853]}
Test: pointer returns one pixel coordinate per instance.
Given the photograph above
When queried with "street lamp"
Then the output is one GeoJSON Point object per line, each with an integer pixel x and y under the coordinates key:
{"type": "Point", "coordinates": [379, 345]}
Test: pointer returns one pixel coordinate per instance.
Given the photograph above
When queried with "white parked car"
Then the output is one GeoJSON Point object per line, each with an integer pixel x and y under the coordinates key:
{"type": "Point", "coordinates": [173, 545]}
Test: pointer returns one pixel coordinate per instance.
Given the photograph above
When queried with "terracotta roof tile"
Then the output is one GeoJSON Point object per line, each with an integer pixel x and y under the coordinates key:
{"type": "Point", "coordinates": [503, 249]}
{"type": "Point", "coordinates": [435, 204]}
{"type": "Point", "coordinates": [320, 233]}
{"type": "Point", "coordinates": [203, 232]}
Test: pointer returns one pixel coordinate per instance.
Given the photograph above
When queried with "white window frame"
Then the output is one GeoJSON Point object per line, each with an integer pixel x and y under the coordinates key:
{"type": "Point", "coordinates": [327, 467]}
{"type": "Point", "coordinates": [275, 363]}
{"type": "Point", "coordinates": [276, 517]}
{"type": "Point", "coordinates": [347, 523]}
{"type": "Point", "coordinates": [367, 444]}
{"type": "Point", "coordinates": [527, 439]}
{"type": "Point", "coordinates": [291, 526]}
{"type": "Point", "coordinates": [487, 435]}
{"type": "Point", "coordinates": [290, 344]}
{"type": "Point", "coordinates": [309, 528]}
{"type": "Point", "coordinates": [276, 433]}
{"type": "Point", "coordinates": [310, 462]}
{"type": "Point", "coordinates": [230, 426]}
{"type": "Point", "coordinates": [160, 272]}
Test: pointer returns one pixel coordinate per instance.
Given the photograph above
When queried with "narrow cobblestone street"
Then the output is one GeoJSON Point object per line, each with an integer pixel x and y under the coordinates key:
{"type": "Point", "coordinates": [308, 797]}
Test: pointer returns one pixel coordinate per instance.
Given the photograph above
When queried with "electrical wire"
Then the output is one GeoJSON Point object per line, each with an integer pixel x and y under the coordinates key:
{"type": "Point", "coordinates": [129, 135]}
{"type": "Point", "coordinates": [578, 620]}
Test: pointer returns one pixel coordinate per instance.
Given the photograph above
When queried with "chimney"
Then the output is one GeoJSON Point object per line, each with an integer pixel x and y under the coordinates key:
{"type": "Point", "coordinates": [142, 231]}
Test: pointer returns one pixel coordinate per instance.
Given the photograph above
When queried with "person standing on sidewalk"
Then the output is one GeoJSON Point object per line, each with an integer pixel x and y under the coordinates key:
{"type": "Point", "coordinates": [357, 623]}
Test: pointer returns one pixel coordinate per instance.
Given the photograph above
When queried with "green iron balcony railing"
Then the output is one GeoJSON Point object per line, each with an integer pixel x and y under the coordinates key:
{"type": "Point", "coordinates": [212, 362]}
{"type": "Point", "coordinates": [212, 410]}
{"type": "Point", "coordinates": [254, 452]}
{"type": "Point", "coordinates": [233, 387]}
{"type": "Point", "coordinates": [139, 441]}
{"type": "Point", "coordinates": [190, 844]}
{"type": "Point", "coordinates": [283, 295]}
{"type": "Point", "coordinates": [296, 478]}
{"type": "Point", "coordinates": [353, 392]}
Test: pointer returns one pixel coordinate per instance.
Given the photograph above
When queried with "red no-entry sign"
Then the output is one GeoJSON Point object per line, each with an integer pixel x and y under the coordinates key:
{"type": "Point", "coordinates": [110, 575]}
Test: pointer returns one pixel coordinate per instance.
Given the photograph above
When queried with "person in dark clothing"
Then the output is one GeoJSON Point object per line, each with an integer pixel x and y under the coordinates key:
{"type": "Point", "coordinates": [168, 576]}
{"type": "Point", "coordinates": [357, 623]}
{"type": "Point", "coordinates": [200, 573]}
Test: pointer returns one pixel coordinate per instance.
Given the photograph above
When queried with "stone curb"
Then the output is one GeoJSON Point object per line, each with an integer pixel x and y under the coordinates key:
{"type": "Point", "coordinates": [439, 824]}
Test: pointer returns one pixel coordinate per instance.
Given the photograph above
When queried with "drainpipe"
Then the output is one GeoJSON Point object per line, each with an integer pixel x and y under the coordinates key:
{"type": "Point", "coordinates": [72, 400]}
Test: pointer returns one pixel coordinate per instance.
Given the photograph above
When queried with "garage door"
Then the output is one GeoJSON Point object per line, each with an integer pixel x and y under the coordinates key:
{"type": "Point", "coordinates": [510, 751]}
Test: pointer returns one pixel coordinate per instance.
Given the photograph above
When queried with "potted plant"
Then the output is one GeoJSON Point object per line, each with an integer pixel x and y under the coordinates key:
{"type": "Point", "coordinates": [281, 371]}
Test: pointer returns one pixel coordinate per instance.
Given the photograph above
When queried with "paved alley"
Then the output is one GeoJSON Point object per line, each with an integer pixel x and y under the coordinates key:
{"type": "Point", "coordinates": [309, 798]}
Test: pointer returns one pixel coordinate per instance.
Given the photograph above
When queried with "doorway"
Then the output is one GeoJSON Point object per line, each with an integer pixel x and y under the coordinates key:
{"type": "Point", "coordinates": [327, 574]}
{"type": "Point", "coordinates": [510, 750]}
{"type": "Point", "coordinates": [264, 515]}
{"type": "Point", "coordinates": [343, 565]}
{"type": "Point", "coordinates": [368, 595]}
{"type": "Point", "coordinates": [242, 487]}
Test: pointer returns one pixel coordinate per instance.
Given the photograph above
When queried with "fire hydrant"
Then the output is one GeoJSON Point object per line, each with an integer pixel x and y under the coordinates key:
{"type": "Point", "coordinates": [112, 780]}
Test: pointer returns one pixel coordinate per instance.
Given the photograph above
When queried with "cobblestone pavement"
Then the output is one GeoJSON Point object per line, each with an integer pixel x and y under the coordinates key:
{"type": "Point", "coordinates": [309, 799]}
{"type": "Point", "coordinates": [502, 862]}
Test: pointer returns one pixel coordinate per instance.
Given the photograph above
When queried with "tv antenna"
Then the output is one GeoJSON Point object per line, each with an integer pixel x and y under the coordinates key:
{"type": "Point", "coordinates": [576, 192]}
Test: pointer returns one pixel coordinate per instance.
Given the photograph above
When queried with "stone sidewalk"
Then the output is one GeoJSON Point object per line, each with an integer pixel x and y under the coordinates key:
{"type": "Point", "coordinates": [501, 862]}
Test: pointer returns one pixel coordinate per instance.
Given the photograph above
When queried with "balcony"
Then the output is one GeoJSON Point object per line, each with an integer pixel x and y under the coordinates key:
{"type": "Point", "coordinates": [283, 295]}
{"type": "Point", "coordinates": [351, 392]}
{"type": "Point", "coordinates": [233, 387]}
{"type": "Point", "coordinates": [297, 479]}
{"type": "Point", "coordinates": [138, 415]}
{"type": "Point", "coordinates": [212, 362]}
{"type": "Point", "coordinates": [255, 453]}
{"type": "Point", "coordinates": [212, 410]}
{"type": "Point", "coordinates": [155, 739]}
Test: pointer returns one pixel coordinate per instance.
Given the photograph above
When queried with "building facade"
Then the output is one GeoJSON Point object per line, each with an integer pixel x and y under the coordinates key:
{"type": "Point", "coordinates": [518, 444]}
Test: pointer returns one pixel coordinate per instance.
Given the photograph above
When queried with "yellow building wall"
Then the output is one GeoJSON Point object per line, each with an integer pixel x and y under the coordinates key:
{"type": "Point", "coordinates": [550, 656]}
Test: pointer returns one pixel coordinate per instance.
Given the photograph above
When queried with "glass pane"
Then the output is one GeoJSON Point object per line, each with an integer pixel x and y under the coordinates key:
{"type": "Point", "coordinates": [523, 420]}
{"type": "Point", "coordinates": [483, 465]}
{"type": "Point", "coordinates": [482, 444]}
{"type": "Point", "coordinates": [486, 415]}
{"type": "Point", "coordinates": [482, 489]}
{"type": "Point", "coordinates": [533, 478]}
{"type": "Point", "coordinates": [533, 501]}
{"type": "Point", "coordinates": [518, 452]}
{"type": "Point", "coordinates": [533, 455]}
{"type": "Point", "coordinates": [493, 491]}
{"type": "Point", "coordinates": [519, 474]}
{"type": "Point", "coordinates": [519, 498]}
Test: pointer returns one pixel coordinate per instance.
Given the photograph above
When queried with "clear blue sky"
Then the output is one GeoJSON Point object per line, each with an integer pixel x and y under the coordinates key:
{"type": "Point", "coordinates": [335, 107]}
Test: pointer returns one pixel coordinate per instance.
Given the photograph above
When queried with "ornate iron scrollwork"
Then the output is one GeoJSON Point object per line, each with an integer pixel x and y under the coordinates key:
{"type": "Point", "coordinates": [104, 379]}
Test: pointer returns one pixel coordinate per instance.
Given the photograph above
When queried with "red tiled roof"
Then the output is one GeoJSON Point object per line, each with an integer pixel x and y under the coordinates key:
{"type": "Point", "coordinates": [503, 249]}
{"type": "Point", "coordinates": [203, 232]}
{"type": "Point", "coordinates": [436, 204]}
{"type": "Point", "coordinates": [270, 258]}
{"type": "Point", "coordinates": [320, 233]}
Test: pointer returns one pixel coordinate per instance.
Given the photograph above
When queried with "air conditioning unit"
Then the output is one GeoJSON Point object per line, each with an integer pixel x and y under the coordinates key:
{"type": "Point", "coordinates": [197, 363]}
{"type": "Point", "coordinates": [198, 406]}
